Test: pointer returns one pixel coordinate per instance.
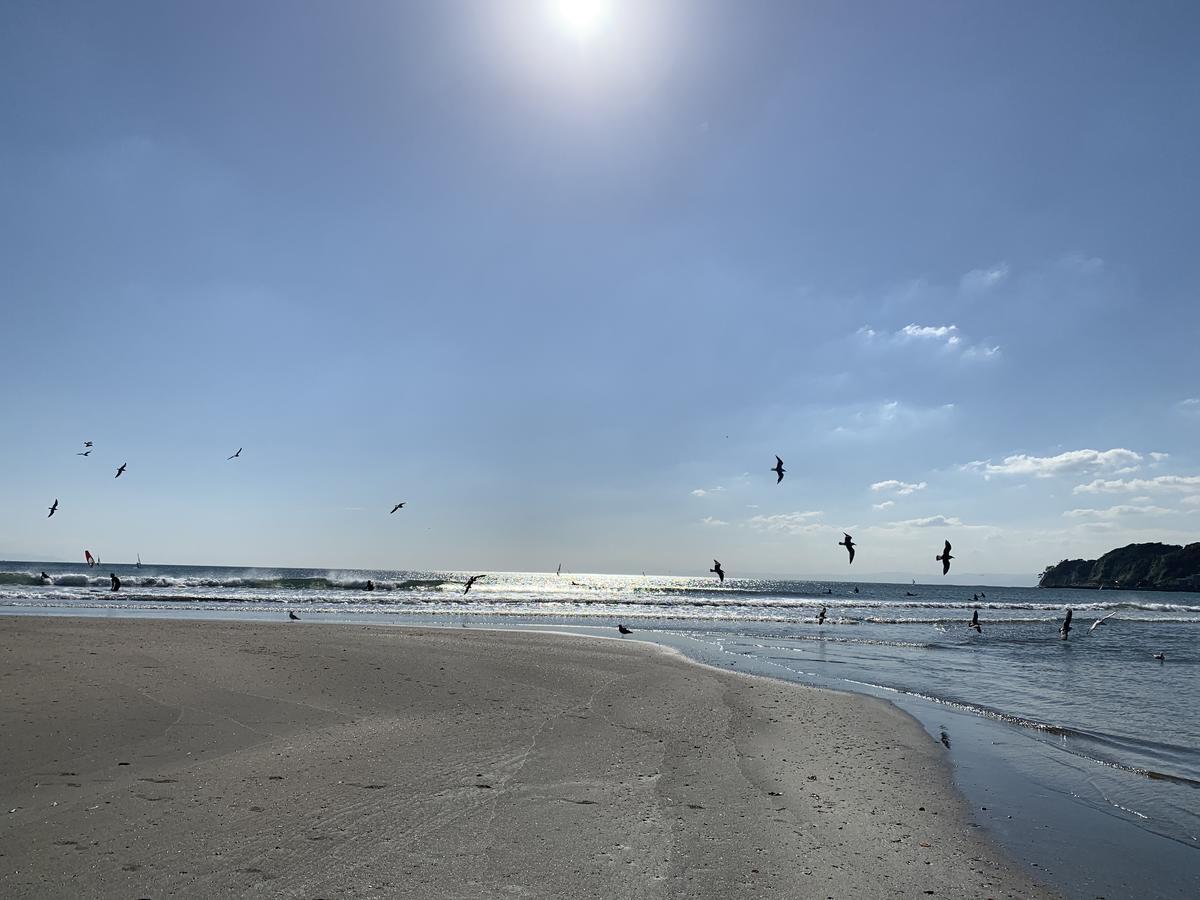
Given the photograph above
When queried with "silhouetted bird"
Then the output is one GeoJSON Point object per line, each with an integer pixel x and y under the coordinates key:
{"type": "Point", "coordinates": [87, 443]}
{"type": "Point", "coordinates": [848, 543]}
{"type": "Point", "coordinates": [623, 629]}
{"type": "Point", "coordinates": [472, 580]}
{"type": "Point", "coordinates": [779, 469]}
{"type": "Point", "coordinates": [975, 622]}
{"type": "Point", "coordinates": [821, 616]}
{"type": "Point", "coordinates": [945, 558]}
{"type": "Point", "coordinates": [293, 616]}
{"type": "Point", "coordinates": [84, 453]}
{"type": "Point", "coordinates": [720, 572]}
{"type": "Point", "coordinates": [120, 470]}
{"type": "Point", "coordinates": [53, 508]}
{"type": "Point", "coordinates": [235, 456]}
{"type": "Point", "coordinates": [398, 506]}
{"type": "Point", "coordinates": [1064, 630]}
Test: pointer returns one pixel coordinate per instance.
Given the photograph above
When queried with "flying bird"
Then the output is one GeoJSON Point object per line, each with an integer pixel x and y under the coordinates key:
{"type": "Point", "coordinates": [624, 630]}
{"type": "Point", "coordinates": [471, 580]}
{"type": "Point", "coordinates": [1100, 622]}
{"type": "Point", "coordinates": [87, 443]}
{"type": "Point", "coordinates": [1064, 630]}
{"type": "Point", "coordinates": [293, 616]}
{"type": "Point", "coordinates": [718, 570]}
{"type": "Point", "coordinates": [821, 616]}
{"type": "Point", "coordinates": [975, 622]}
{"type": "Point", "coordinates": [235, 456]}
{"type": "Point", "coordinates": [848, 543]}
{"type": "Point", "coordinates": [945, 558]}
{"type": "Point", "coordinates": [397, 506]}
{"type": "Point", "coordinates": [120, 470]}
{"type": "Point", "coordinates": [779, 469]}
{"type": "Point", "coordinates": [84, 453]}
{"type": "Point", "coordinates": [53, 508]}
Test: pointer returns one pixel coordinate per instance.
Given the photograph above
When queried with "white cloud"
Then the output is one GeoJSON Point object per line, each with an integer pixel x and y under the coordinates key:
{"type": "Point", "coordinates": [1193, 500]}
{"type": "Point", "coordinates": [979, 280]}
{"type": "Point", "coordinates": [890, 416]}
{"type": "Point", "coordinates": [902, 488]}
{"type": "Point", "coordinates": [1072, 461]}
{"type": "Point", "coordinates": [1116, 512]}
{"type": "Point", "coordinates": [791, 523]}
{"type": "Point", "coordinates": [884, 505]}
{"type": "Point", "coordinates": [929, 522]}
{"type": "Point", "coordinates": [946, 338]}
{"type": "Point", "coordinates": [715, 523]}
{"type": "Point", "coordinates": [701, 492]}
{"type": "Point", "coordinates": [1190, 406]}
{"type": "Point", "coordinates": [1159, 457]}
{"type": "Point", "coordinates": [949, 332]}
{"type": "Point", "coordinates": [1182, 483]}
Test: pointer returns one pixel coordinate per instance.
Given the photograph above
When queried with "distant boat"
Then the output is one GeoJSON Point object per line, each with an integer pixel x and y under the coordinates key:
{"type": "Point", "coordinates": [559, 572]}
{"type": "Point", "coordinates": [139, 562]}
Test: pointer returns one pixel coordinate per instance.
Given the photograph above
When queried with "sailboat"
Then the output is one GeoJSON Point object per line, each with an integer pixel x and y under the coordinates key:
{"type": "Point", "coordinates": [559, 572]}
{"type": "Point", "coordinates": [139, 562]}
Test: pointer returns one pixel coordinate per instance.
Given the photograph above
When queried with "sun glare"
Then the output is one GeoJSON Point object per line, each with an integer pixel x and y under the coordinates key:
{"type": "Point", "coordinates": [581, 19]}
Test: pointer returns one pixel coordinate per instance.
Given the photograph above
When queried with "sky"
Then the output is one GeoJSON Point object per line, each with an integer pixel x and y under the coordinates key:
{"type": "Point", "coordinates": [566, 276]}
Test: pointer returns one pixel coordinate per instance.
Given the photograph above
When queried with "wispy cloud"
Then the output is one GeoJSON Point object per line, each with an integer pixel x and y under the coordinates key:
{"type": "Point", "coordinates": [902, 488]}
{"type": "Point", "coordinates": [944, 338]}
{"type": "Point", "coordinates": [891, 415]}
{"type": "Point", "coordinates": [884, 505]}
{"type": "Point", "coordinates": [1070, 462]}
{"type": "Point", "coordinates": [1181, 483]}
{"type": "Point", "coordinates": [979, 280]}
{"type": "Point", "coordinates": [713, 522]}
{"type": "Point", "coordinates": [1116, 512]}
{"type": "Point", "coordinates": [929, 522]}
{"type": "Point", "coordinates": [790, 523]}
{"type": "Point", "coordinates": [702, 492]}
{"type": "Point", "coordinates": [1190, 406]}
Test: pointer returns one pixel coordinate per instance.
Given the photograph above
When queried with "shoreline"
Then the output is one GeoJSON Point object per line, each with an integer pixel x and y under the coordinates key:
{"type": "Point", "coordinates": [443, 761]}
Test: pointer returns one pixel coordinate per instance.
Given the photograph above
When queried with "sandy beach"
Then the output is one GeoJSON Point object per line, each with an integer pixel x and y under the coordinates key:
{"type": "Point", "coordinates": [184, 758]}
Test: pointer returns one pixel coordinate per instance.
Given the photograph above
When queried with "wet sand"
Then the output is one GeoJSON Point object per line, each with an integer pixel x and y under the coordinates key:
{"type": "Point", "coordinates": [143, 758]}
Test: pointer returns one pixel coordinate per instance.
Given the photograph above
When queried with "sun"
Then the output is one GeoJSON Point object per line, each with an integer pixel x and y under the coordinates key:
{"type": "Point", "coordinates": [581, 19]}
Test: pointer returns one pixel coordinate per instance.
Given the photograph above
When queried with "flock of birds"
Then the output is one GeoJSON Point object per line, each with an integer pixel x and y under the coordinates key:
{"type": "Point", "coordinates": [717, 569]}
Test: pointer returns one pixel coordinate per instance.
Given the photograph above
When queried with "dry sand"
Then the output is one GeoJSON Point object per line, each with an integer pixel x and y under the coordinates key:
{"type": "Point", "coordinates": [203, 759]}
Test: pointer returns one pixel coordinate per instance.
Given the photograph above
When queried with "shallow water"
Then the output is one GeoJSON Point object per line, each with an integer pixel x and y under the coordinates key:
{"type": "Point", "coordinates": [1100, 740]}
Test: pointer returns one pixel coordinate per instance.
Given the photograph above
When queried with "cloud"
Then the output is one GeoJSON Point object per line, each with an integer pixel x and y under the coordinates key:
{"type": "Point", "coordinates": [1193, 500]}
{"type": "Point", "coordinates": [979, 280]}
{"type": "Point", "coordinates": [902, 488]}
{"type": "Point", "coordinates": [1159, 457]}
{"type": "Point", "coordinates": [1181, 483]}
{"type": "Point", "coordinates": [1116, 512]}
{"type": "Point", "coordinates": [1190, 406]}
{"type": "Point", "coordinates": [929, 522]}
{"type": "Point", "coordinates": [791, 523]}
{"type": "Point", "coordinates": [710, 521]}
{"type": "Point", "coordinates": [891, 415]}
{"type": "Point", "coordinates": [884, 505]}
{"type": "Point", "coordinates": [701, 492]}
{"type": "Point", "coordinates": [1070, 462]}
{"type": "Point", "coordinates": [945, 338]}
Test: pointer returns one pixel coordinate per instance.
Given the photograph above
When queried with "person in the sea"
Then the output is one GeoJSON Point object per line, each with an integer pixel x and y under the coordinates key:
{"type": "Point", "coordinates": [45, 577]}
{"type": "Point", "coordinates": [116, 582]}
{"type": "Point", "coordinates": [370, 585]}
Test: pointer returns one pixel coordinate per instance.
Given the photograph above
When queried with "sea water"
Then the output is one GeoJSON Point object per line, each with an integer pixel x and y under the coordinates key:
{"type": "Point", "coordinates": [1082, 756]}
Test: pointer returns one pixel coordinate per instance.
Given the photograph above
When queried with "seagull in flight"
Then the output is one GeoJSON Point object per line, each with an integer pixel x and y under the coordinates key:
{"type": "Point", "coordinates": [624, 630]}
{"type": "Point", "coordinates": [235, 456]}
{"type": "Point", "coordinates": [84, 453]}
{"type": "Point", "coordinates": [1100, 622]}
{"type": "Point", "coordinates": [945, 558]}
{"type": "Point", "coordinates": [120, 470]}
{"type": "Point", "coordinates": [53, 508]}
{"type": "Point", "coordinates": [975, 622]}
{"type": "Point", "coordinates": [1064, 630]}
{"type": "Point", "coordinates": [779, 469]}
{"type": "Point", "coordinates": [848, 543]}
{"type": "Point", "coordinates": [821, 616]}
{"type": "Point", "coordinates": [398, 506]}
{"type": "Point", "coordinates": [471, 580]}
{"type": "Point", "coordinates": [718, 570]}
{"type": "Point", "coordinates": [87, 443]}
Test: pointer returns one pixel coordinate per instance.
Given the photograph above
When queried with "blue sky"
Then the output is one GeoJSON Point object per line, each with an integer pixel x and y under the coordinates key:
{"type": "Point", "coordinates": [568, 294]}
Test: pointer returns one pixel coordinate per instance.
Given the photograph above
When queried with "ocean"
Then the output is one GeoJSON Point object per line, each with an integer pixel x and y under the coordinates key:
{"type": "Point", "coordinates": [1082, 756]}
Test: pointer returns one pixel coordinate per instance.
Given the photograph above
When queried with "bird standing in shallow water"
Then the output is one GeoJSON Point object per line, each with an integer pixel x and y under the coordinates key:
{"type": "Point", "coordinates": [623, 629]}
{"type": "Point", "coordinates": [779, 469]}
{"type": "Point", "coordinates": [718, 570]}
{"type": "Point", "coordinates": [945, 558]}
{"type": "Point", "coordinates": [848, 543]}
{"type": "Point", "coordinates": [293, 616]}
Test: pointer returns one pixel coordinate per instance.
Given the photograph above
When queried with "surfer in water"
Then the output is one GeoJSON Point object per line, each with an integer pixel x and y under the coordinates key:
{"type": "Point", "coordinates": [45, 577]}
{"type": "Point", "coordinates": [116, 582]}
{"type": "Point", "coordinates": [370, 585]}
